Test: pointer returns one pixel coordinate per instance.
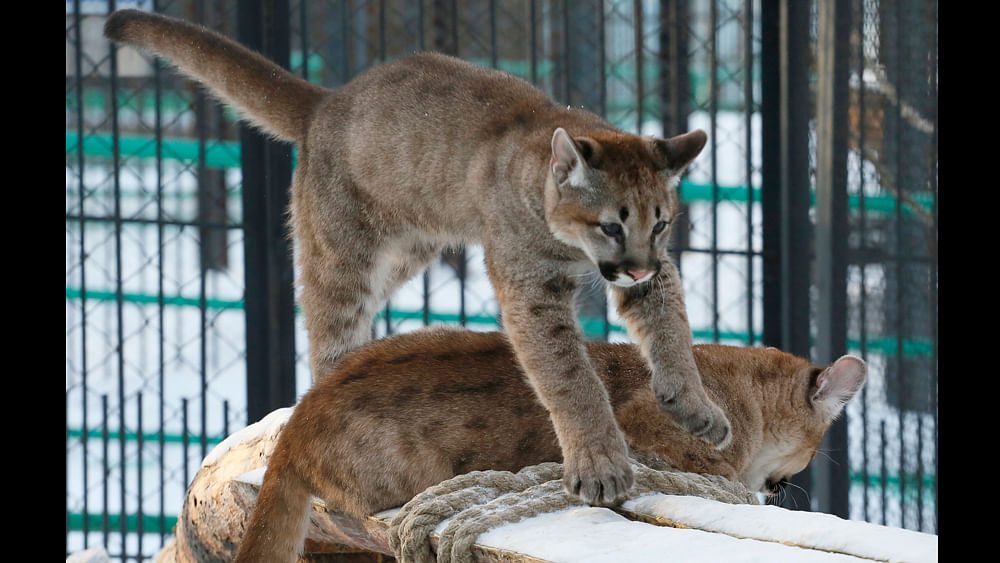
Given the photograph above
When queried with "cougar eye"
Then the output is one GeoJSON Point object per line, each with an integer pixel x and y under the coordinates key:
{"type": "Point", "coordinates": [659, 226]}
{"type": "Point", "coordinates": [611, 229]}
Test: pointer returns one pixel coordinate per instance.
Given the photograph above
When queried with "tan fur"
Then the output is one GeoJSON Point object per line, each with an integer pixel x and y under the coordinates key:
{"type": "Point", "coordinates": [429, 151]}
{"type": "Point", "coordinates": [406, 412]}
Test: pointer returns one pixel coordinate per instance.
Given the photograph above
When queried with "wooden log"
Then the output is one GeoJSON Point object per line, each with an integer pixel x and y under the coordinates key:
{"type": "Point", "coordinates": [221, 497]}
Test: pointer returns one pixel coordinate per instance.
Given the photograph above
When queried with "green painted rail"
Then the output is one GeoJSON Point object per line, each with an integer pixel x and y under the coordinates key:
{"type": "Point", "coordinates": [591, 326]}
{"type": "Point", "coordinates": [151, 437]}
{"type": "Point", "coordinates": [226, 154]}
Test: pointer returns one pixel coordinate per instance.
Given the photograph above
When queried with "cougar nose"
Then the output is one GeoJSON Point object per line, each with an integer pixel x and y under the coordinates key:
{"type": "Point", "coordinates": [640, 275]}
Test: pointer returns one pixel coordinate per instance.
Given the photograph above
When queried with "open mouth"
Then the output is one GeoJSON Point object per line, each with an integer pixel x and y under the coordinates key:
{"type": "Point", "coordinates": [627, 278]}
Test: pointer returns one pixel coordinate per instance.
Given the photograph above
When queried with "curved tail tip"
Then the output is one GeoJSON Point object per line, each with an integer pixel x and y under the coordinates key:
{"type": "Point", "coordinates": [115, 26]}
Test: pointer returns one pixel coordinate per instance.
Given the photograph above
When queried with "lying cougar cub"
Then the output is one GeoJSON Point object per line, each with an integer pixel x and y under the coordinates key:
{"type": "Point", "coordinates": [406, 412]}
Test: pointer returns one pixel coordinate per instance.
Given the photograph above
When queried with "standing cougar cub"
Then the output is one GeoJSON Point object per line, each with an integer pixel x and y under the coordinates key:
{"type": "Point", "coordinates": [409, 411]}
{"type": "Point", "coordinates": [429, 151]}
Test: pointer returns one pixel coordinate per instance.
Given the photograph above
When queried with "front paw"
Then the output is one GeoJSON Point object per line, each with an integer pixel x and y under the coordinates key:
{"type": "Point", "coordinates": [695, 414]}
{"type": "Point", "coordinates": [600, 474]}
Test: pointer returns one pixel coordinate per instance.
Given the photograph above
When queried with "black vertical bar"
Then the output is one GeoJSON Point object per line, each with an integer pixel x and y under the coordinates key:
{"type": "Point", "coordinates": [566, 51]}
{"type": "Point", "coordinates": [771, 88]}
{"type": "Point", "coordinates": [934, 263]}
{"type": "Point", "coordinates": [748, 83]}
{"type": "Point", "coordinates": [105, 470]}
{"type": "Point", "coordinates": [185, 441]}
{"type": "Point", "coordinates": [785, 181]}
{"type": "Point", "coordinates": [139, 442]}
{"type": "Point", "coordinates": [160, 300]}
{"type": "Point", "coordinates": [600, 301]}
{"type": "Point", "coordinates": [303, 25]}
{"type": "Point", "coordinates": [900, 252]}
{"type": "Point", "coordinates": [202, 118]}
{"type": "Point", "coordinates": [639, 85]}
{"type": "Point", "coordinates": [267, 172]}
{"type": "Point", "coordinates": [420, 27]}
{"type": "Point", "coordinates": [713, 114]}
{"type": "Point", "coordinates": [533, 41]}
{"type": "Point", "coordinates": [427, 297]}
{"type": "Point", "coordinates": [80, 162]}
{"type": "Point", "coordinates": [119, 290]}
{"type": "Point", "coordinates": [858, 12]}
{"type": "Point", "coordinates": [345, 34]}
{"type": "Point", "coordinates": [832, 473]}
{"type": "Point", "coordinates": [454, 26]}
{"type": "Point", "coordinates": [461, 285]}
{"type": "Point", "coordinates": [884, 472]}
{"type": "Point", "coordinates": [388, 317]}
{"type": "Point", "coordinates": [675, 90]}
{"type": "Point", "coordinates": [493, 33]}
{"type": "Point", "coordinates": [602, 65]}
{"type": "Point", "coordinates": [381, 31]}
{"type": "Point", "coordinates": [225, 418]}
{"type": "Point", "coordinates": [920, 473]}
{"type": "Point", "coordinates": [675, 96]}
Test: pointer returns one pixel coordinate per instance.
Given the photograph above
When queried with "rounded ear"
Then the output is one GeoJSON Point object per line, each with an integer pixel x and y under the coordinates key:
{"type": "Point", "coordinates": [570, 157]}
{"type": "Point", "coordinates": [676, 153]}
{"type": "Point", "coordinates": [837, 384]}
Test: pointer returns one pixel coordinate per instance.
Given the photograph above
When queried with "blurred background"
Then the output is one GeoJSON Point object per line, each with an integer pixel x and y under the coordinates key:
{"type": "Point", "coordinates": [808, 223]}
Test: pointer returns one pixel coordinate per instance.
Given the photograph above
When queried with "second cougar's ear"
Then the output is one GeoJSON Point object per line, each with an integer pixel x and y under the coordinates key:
{"type": "Point", "coordinates": [571, 158]}
{"type": "Point", "coordinates": [676, 153]}
{"type": "Point", "coordinates": [837, 384]}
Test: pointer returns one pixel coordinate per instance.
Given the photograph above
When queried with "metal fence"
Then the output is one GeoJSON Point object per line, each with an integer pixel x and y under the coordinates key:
{"type": "Point", "coordinates": [809, 222]}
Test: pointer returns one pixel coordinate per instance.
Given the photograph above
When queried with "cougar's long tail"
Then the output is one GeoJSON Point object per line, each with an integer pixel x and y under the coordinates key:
{"type": "Point", "coordinates": [262, 92]}
{"type": "Point", "coordinates": [278, 525]}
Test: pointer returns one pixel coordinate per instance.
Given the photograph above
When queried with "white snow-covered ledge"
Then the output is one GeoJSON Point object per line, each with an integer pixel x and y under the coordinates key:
{"type": "Point", "coordinates": [652, 527]}
{"type": "Point", "coordinates": [691, 529]}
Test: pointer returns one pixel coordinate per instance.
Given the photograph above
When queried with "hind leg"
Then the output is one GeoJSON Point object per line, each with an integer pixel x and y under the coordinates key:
{"type": "Point", "coordinates": [344, 286]}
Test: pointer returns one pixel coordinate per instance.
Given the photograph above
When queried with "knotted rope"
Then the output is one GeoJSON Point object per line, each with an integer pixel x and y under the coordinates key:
{"type": "Point", "coordinates": [476, 502]}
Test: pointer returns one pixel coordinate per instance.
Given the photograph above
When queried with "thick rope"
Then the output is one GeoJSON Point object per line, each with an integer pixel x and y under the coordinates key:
{"type": "Point", "coordinates": [479, 501]}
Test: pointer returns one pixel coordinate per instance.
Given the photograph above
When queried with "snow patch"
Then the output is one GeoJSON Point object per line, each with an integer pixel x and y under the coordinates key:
{"type": "Point", "coordinates": [264, 427]}
{"type": "Point", "coordinates": [814, 530]}
{"type": "Point", "coordinates": [591, 535]}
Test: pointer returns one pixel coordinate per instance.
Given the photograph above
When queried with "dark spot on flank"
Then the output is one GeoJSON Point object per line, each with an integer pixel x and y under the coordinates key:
{"type": "Point", "coordinates": [405, 358]}
{"type": "Point", "coordinates": [623, 214]}
{"type": "Point", "coordinates": [559, 285]}
{"type": "Point", "coordinates": [527, 443]}
{"type": "Point", "coordinates": [362, 401]}
{"type": "Point", "coordinates": [404, 395]}
{"type": "Point", "coordinates": [358, 376]}
{"type": "Point", "coordinates": [449, 388]}
{"type": "Point", "coordinates": [478, 423]}
{"type": "Point", "coordinates": [446, 357]}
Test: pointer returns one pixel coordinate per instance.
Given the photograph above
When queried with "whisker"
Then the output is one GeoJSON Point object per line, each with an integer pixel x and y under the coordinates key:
{"type": "Point", "coordinates": [827, 456]}
{"type": "Point", "coordinates": [794, 501]}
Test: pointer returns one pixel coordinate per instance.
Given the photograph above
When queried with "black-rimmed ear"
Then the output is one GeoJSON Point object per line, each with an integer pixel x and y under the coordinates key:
{"type": "Point", "coordinates": [676, 153]}
{"type": "Point", "coordinates": [570, 158]}
{"type": "Point", "coordinates": [837, 384]}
